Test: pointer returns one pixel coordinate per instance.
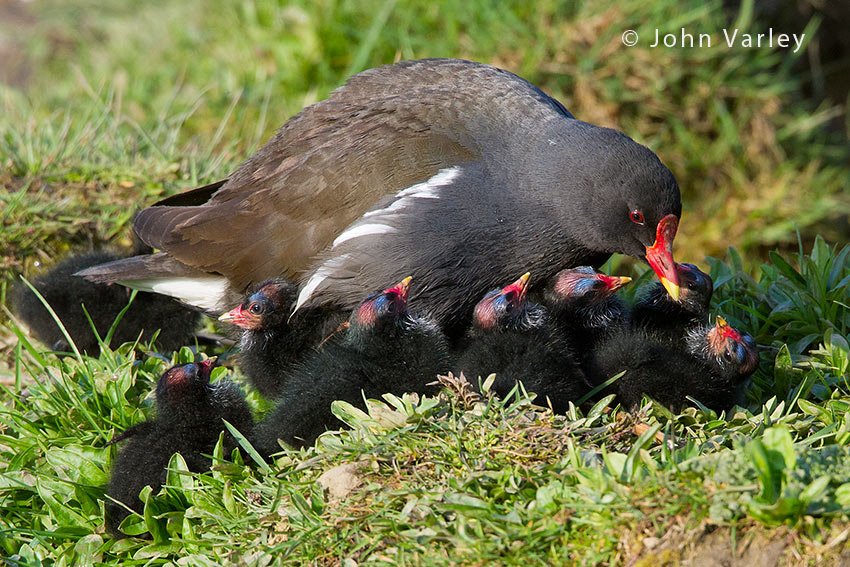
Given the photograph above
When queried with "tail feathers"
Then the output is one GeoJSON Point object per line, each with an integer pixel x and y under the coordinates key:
{"type": "Point", "coordinates": [139, 268]}
{"type": "Point", "coordinates": [159, 273]}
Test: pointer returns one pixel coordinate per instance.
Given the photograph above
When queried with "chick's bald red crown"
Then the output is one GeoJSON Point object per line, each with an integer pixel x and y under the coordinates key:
{"type": "Point", "coordinates": [388, 304]}
{"type": "Point", "coordinates": [499, 302]}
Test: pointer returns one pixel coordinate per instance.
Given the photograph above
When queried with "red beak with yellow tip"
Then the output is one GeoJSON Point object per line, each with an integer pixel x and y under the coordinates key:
{"type": "Point", "coordinates": [520, 286]}
{"type": "Point", "coordinates": [660, 255]}
{"type": "Point", "coordinates": [726, 330]}
{"type": "Point", "coordinates": [240, 317]}
{"type": "Point", "coordinates": [231, 316]}
{"type": "Point", "coordinates": [401, 287]}
{"type": "Point", "coordinates": [613, 283]}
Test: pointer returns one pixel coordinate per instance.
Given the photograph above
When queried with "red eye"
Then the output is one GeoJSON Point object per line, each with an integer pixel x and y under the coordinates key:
{"type": "Point", "coordinates": [636, 216]}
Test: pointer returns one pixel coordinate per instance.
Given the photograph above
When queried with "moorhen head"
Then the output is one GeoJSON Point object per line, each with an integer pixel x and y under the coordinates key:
{"type": "Point", "coordinates": [185, 386]}
{"type": "Point", "coordinates": [381, 317]}
{"type": "Point", "coordinates": [405, 171]}
{"type": "Point", "coordinates": [731, 353]}
{"type": "Point", "coordinates": [387, 308]}
{"type": "Point", "coordinates": [267, 306]}
{"type": "Point", "coordinates": [506, 309]}
{"type": "Point", "coordinates": [587, 297]}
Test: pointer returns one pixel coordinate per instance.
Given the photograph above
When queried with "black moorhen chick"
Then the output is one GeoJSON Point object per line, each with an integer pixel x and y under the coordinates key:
{"type": "Point", "coordinates": [427, 168]}
{"type": "Point", "coordinates": [708, 364]}
{"type": "Point", "coordinates": [515, 339]}
{"type": "Point", "coordinates": [65, 294]}
{"type": "Point", "coordinates": [673, 317]}
{"type": "Point", "coordinates": [189, 414]}
{"type": "Point", "coordinates": [582, 305]}
{"type": "Point", "coordinates": [272, 342]}
{"type": "Point", "coordinates": [385, 349]}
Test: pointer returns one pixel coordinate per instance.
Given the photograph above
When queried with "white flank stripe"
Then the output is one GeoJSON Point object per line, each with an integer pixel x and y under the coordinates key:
{"type": "Point", "coordinates": [362, 230]}
{"type": "Point", "coordinates": [396, 205]}
{"type": "Point", "coordinates": [425, 190]}
{"type": "Point", "coordinates": [204, 292]}
{"type": "Point", "coordinates": [317, 278]}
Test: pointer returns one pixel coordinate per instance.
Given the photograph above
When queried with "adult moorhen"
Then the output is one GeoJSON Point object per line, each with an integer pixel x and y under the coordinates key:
{"type": "Point", "coordinates": [455, 172]}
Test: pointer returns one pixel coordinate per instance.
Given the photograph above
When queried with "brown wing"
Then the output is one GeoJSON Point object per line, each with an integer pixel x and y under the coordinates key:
{"type": "Point", "coordinates": [192, 197]}
{"type": "Point", "coordinates": [386, 129]}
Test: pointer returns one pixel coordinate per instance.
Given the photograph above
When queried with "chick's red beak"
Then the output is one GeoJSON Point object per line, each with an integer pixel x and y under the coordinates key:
{"type": "Point", "coordinates": [660, 255]}
{"type": "Point", "coordinates": [520, 286]}
{"type": "Point", "coordinates": [613, 283]}
{"type": "Point", "coordinates": [401, 288]}
{"type": "Point", "coordinates": [725, 330]}
{"type": "Point", "coordinates": [239, 317]}
{"type": "Point", "coordinates": [206, 367]}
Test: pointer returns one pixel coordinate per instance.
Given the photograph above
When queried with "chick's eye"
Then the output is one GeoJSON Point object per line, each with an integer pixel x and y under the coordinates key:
{"type": "Point", "coordinates": [387, 302]}
{"type": "Point", "coordinates": [254, 308]}
{"type": "Point", "coordinates": [636, 216]}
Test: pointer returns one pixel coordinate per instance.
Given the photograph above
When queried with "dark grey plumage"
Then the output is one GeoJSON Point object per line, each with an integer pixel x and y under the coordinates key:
{"type": "Point", "coordinates": [515, 339]}
{"type": "Point", "coordinates": [670, 317]}
{"type": "Point", "coordinates": [272, 343]}
{"type": "Point", "coordinates": [189, 414]}
{"type": "Point", "coordinates": [708, 365]}
{"type": "Point", "coordinates": [66, 293]}
{"type": "Point", "coordinates": [385, 349]}
{"type": "Point", "coordinates": [584, 308]}
{"type": "Point", "coordinates": [454, 172]}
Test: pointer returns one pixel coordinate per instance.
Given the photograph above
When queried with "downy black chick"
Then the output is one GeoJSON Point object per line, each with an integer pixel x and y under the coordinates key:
{"type": "Point", "coordinates": [385, 349]}
{"type": "Point", "coordinates": [658, 311]}
{"type": "Point", "coordinates": [189, 414]}
{"type": "Point", "coordinates": [515, 339]}
{"type": "Point", "coordinates": [272, 341]}
{"type": "Point", "coordinates": [707, 365]}
{"type": "Point", "coordinates": [66, 293]}
{"type": "Point", "coordinates": [583, 307]}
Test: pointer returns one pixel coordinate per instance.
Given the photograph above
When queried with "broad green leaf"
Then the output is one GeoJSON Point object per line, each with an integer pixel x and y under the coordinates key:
{"type": "Point", "coordinates": [778, 438]}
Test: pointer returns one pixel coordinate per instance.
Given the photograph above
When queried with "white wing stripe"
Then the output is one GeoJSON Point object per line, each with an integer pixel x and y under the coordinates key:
{"type": "Point", "coordinates": [425, 190]}
{"type": "Point", "coordinates": [362, 230]}
{"type": "Point", "coordinates": [317, 278]}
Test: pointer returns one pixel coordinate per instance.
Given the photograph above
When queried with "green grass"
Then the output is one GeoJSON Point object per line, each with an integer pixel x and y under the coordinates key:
{"type": "Point", "coordinates": [169, 95]}
{"type": "Point", "coordinates": [459, 478]}
{"type": "Point", "coordinates": [112, 105]}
